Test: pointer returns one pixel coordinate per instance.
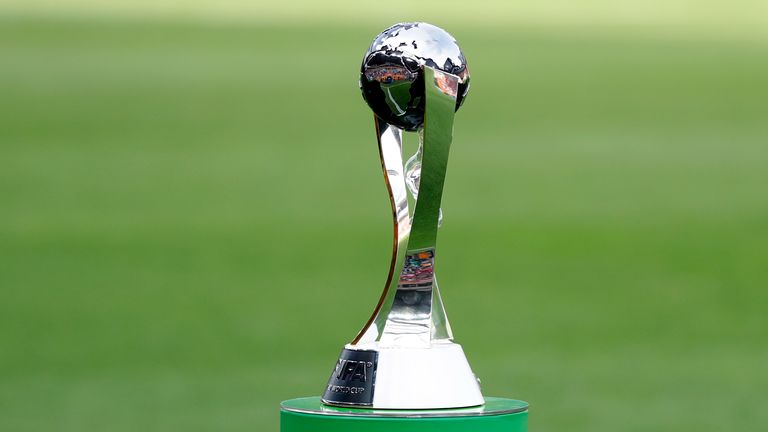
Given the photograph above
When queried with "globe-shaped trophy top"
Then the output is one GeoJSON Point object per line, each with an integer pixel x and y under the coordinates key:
{"type": "Point", "coordinates": [392, 73]}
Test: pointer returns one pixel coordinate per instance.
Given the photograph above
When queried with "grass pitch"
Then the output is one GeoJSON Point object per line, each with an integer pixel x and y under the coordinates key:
{"type": "Point", "coordinates": [193, 223]}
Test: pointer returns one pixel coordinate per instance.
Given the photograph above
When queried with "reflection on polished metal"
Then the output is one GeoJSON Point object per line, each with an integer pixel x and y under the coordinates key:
{"type": "Point", "coordinates": [392, 75]}
{"type": "Point", "coordinates": [414, 77]}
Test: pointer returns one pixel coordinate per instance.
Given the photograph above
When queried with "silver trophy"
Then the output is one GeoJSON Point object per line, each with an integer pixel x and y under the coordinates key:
{"type": "Point", "coordinates": [414, 77]}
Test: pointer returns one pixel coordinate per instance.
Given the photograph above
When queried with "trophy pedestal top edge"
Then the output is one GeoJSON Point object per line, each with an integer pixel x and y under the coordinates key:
{"type": "Point", "coordinates": [493, 406]}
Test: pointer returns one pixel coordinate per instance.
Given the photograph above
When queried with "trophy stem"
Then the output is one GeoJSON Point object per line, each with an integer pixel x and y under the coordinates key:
{"type": "Point", "coordinates": [410, 311]}
{"type": "Point", "coordinates": [391, 155]}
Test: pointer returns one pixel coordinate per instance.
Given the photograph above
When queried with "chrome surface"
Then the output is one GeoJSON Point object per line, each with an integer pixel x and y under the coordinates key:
{"type": "Point", "coordinates": [413, 77]}
{"type": "Point", "coordinates": [392, 73]}
{"type": "Point", "coordinates": [391, 155]}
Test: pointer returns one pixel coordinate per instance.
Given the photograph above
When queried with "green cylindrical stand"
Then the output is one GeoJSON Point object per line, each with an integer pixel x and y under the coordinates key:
{"type": "Point", "coordinates": [310, 415]}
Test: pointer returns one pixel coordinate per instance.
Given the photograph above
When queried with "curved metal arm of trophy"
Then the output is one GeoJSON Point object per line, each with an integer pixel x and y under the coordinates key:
{"type": "Point", "coordinates": [410, 312]}
{"type": "Point", "coordinates": [391, 155]}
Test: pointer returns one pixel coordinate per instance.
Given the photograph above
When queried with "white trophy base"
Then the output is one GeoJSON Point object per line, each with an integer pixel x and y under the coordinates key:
{"type": "Point", "coordinates": [423, 378]}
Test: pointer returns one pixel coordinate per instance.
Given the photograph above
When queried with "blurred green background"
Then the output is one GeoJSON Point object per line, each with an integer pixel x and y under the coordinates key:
{"type": "Point", "coordinates": [193, 220]}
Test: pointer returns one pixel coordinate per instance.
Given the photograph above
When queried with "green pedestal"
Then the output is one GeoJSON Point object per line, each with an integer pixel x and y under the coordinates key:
{"type": "Point", "coordinates": [310, 415]}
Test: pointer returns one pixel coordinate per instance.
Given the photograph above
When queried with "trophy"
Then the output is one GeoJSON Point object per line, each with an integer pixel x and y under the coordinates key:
{"type": "Point", "coordinates": [403, 363]}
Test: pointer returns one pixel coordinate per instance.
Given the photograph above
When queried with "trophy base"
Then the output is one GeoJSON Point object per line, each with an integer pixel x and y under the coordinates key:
{"type": "Point", "coordinates": [413, 378]}
{"type": "Point", "coordinates": [309, 414]}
